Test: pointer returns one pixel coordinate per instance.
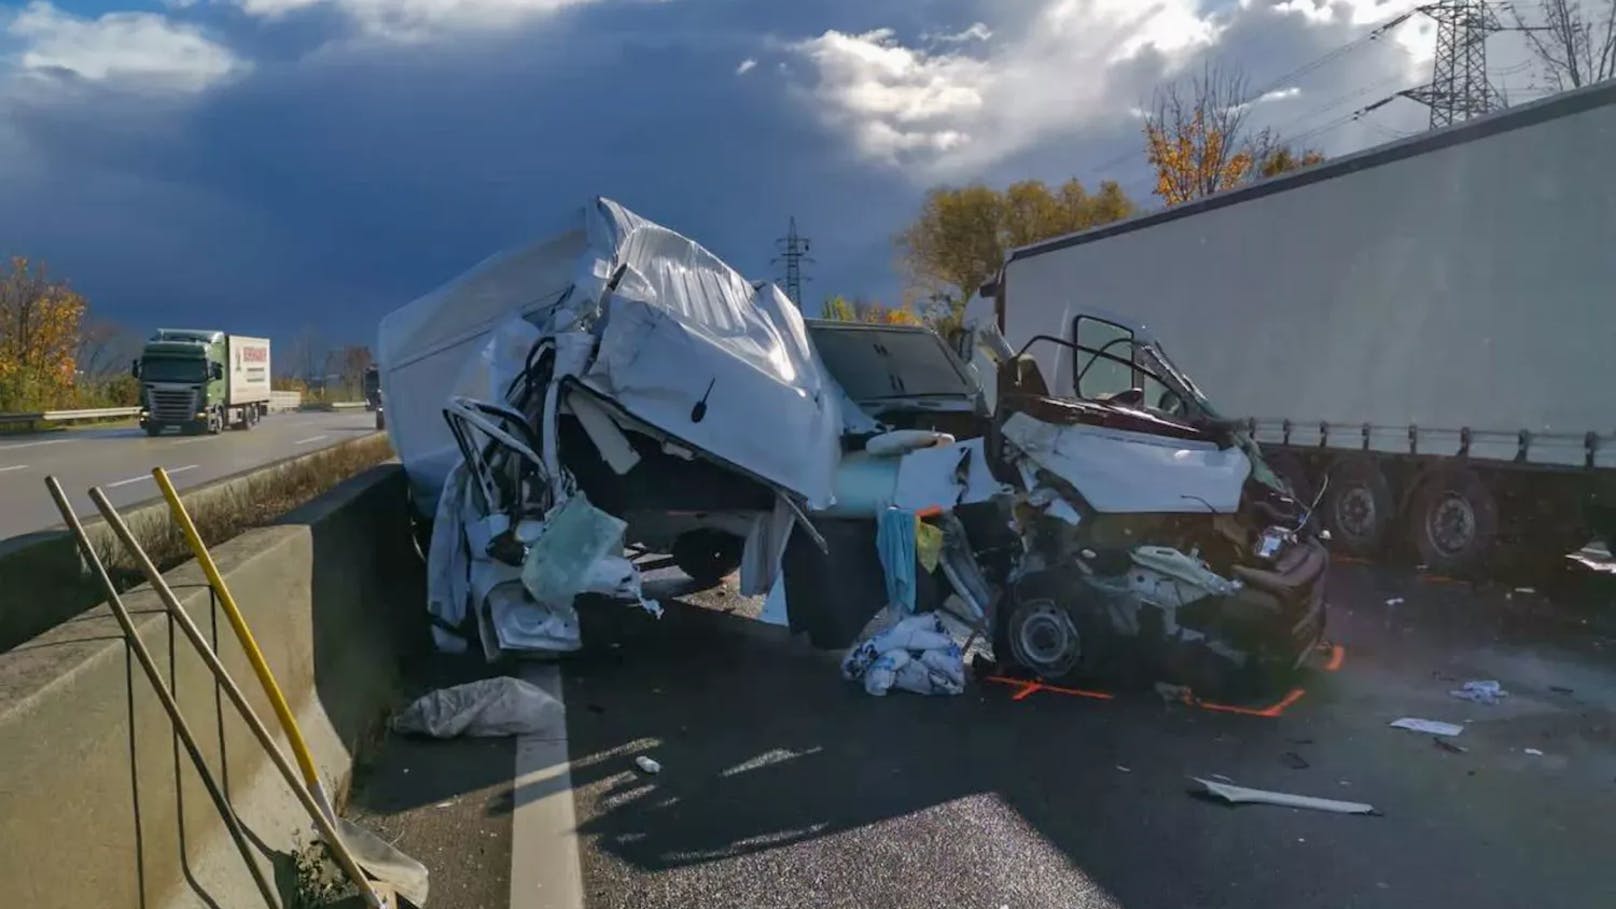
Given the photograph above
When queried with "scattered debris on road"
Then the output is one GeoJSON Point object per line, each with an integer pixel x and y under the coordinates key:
{"type": "Point", "coordinates": [1448, 746]}
{"type": "Point", "coordinates": [486, 708]}
{"type": "Point", "coordinates": [1432, 727]}
{"type": "Point", "coordinates": [1485, 691]}
{"type": "Point", "coordinates": [1394, 601]}
{"type": "Point", "coordinates": [1294, 761]}
{"type": "Point", "coordinates": [647, 765]}
{"type": "Point", "coordinates": [1238, 795]}
{"type": "Point", "coordinates": [1561, 689]}
{"type": "Point", "coordinates": [1533, 751]}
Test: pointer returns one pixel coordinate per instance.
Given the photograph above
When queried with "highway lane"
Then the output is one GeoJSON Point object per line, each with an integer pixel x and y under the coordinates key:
{"type": "Point", "coordinates": [120, 460]}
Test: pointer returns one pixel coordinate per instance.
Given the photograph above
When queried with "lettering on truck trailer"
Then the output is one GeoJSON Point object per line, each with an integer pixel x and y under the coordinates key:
{"type": "Point", "coordinates": [252, 355]}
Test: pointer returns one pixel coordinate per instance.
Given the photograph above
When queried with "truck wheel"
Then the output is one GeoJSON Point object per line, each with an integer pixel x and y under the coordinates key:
{"type": "Point", "coordinates": [215, 422]}
{"type": "Point", "coordinates": [152, 429]}
{"type": "Point", "coordinates": [381, 421]}
{"type": "Point", "coordinates": [708, 556]}
{"type": "Point", "coordinates": [1358, 506]}
{"type": "Point", "coordinates": [1454, 521]}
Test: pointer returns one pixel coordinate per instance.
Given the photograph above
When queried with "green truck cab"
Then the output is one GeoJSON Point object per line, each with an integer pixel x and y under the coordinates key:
{"type": "Point", "coordinates": [202, 381]}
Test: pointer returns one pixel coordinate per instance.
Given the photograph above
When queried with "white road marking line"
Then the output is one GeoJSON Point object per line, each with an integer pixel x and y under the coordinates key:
{"type": "Point", "coordinates": [147, 476]}
{"type": "Point", "coordinates": [545, 873]}
{"type": "Point", "coordinates": [14, 467]}
{"type": "Point", "coordinates": [32, 444]}
{"type": "Point", "coordinates": [308, 440]}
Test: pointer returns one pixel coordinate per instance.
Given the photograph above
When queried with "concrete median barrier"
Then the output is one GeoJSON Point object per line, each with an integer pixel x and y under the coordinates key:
{"type": "Point", "coordinates": [43, 582]}
{"type": "Point", "coordinates": [97, 807]}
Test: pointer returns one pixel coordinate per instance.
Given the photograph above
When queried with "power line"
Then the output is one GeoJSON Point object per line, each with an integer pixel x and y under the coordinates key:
{"type": "Point", "coordinates": [1459, 88]}
{"type": "Point", "coordinates": [794, 253]}
{"type": "Point", "coordinates": [1304, 69]}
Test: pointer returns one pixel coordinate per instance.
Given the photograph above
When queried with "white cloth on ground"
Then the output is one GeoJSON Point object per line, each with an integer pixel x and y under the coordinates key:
{"type": "Point", "coordinates": [916, 654]}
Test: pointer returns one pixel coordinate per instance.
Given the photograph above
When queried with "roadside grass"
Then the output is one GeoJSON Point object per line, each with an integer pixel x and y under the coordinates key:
{"type": "Point", "coordinates": [44, 582]}
{"type": "Point", "coordinates": [224, 513]}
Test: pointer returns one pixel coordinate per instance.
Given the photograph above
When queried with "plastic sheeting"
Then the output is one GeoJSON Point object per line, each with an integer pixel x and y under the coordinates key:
{"type": "Point", "coordinates": [487, 707]}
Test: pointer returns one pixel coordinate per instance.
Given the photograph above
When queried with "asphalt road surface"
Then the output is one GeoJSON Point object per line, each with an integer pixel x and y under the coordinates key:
{"type": "Point", "coordinates": [783, 786]}
{"type": "Point", "coordinates": [120, 460]}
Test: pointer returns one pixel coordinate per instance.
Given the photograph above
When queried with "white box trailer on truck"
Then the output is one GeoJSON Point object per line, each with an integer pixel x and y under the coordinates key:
{"type": "Point", "coordinates": [202, 381]}
{"type": "Point", "coordinates": [1428, 326]}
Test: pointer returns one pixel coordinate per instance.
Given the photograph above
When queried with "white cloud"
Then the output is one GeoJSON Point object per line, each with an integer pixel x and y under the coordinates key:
{"type": "Point", "coordinates": [413, 19]}
{"type": "Point", "coordinates": [746, 66]}
{"type": "Point", "coordinates": [1066, 71]}
{"type": "Point", "coordinates": [139, 50]}
{"type": "Point", "coordinates": [976, 31]}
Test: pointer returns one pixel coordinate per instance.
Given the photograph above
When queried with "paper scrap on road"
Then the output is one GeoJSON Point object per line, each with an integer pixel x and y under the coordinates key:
{"type": "Point", "coordinates": [1237, 795]}
{"type": "Point", "coordinates": [1433, 727]}
{"type": "Point", "coordinates": [1533, 751]}
{"type": "Point", "coordinates": [648, 765]}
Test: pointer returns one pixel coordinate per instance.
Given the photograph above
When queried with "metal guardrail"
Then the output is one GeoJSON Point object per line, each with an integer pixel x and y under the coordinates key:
{"type": "Point", "coordinates": [53, 416]}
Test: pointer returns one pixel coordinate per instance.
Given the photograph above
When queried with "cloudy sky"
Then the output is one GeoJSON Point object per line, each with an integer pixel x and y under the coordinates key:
{"type": "Point", "coordinates": [261, 165]}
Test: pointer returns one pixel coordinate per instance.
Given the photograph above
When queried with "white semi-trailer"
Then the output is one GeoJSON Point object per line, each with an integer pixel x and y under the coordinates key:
{"type": "Point", "coordinates": [1429, 324]}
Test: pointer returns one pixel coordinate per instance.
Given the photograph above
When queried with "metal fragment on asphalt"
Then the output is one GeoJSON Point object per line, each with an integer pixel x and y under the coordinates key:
{"type": "Point", "coordinates": [1237, 795]}
{"type": "Point", "coordinates": [1434, 727]}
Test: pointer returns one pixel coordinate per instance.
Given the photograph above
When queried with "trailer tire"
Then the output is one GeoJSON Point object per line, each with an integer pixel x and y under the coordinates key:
{"type": "Point", "coordinates": [1454, 521]}
{"type": "Point", "coordinates": [1359, 507]}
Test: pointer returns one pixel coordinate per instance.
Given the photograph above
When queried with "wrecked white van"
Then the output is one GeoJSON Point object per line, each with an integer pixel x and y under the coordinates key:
{"type": "Point", "coordinates": [620, 384]}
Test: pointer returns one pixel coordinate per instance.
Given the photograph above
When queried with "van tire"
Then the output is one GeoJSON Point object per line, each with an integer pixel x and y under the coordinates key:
{"type": "Point", "coordinates": [707, 556]}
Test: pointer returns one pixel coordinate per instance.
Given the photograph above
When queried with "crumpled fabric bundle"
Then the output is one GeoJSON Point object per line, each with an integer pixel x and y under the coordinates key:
{"type": "Point", "coordinates": [916, 654]}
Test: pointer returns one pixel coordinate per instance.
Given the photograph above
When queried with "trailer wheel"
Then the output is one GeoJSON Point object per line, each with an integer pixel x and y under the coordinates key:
{"type": "Point", "coordinates": [1359, 506]}
{"type": "Point", "coordinates": [1454, 521]}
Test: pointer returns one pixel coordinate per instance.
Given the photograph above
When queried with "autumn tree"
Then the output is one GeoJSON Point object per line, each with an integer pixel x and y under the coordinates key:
{"type": "Point", "coordinates": [1282, 159]}
{"type": "Point", "coordinates": [962, 234]}
{"type": "Point", "coordinates": [348, 364]}
{"type": "Point", "coordinates": [1197, 136]}
{"type": "Point", "coordinates": [842, 309]}
{"type": "Point", "coordinates": [1574, 42]}
{"type": "Point", "coordinates": [39, 335]}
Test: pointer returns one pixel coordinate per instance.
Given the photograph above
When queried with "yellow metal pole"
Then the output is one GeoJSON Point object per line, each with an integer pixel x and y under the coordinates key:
{"type": "Point", "coordinates": [266, 678]}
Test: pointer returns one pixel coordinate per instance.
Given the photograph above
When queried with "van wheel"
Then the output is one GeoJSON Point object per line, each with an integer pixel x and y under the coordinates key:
{"type": "Point", "coordinates": [1039, 635]}
{"type": "Point", "coordinates": [707, 555]}
{"type": "Point", "coordinates": [1359, 507]}
{"type": "Point", "coordinates": [1454, 522]}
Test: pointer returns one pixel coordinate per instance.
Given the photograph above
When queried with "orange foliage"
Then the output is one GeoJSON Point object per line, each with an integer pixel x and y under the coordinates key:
{"type": "Point", "coordinates": [39, 334]}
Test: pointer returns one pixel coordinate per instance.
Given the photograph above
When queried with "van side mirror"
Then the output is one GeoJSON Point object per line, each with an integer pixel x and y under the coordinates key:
{"type": "Point", "coordinates": [134, 368]}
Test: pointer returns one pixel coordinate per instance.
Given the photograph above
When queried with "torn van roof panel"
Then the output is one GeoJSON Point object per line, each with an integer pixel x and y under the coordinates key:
{"type": "Point", "coordinates": [686, 345]}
